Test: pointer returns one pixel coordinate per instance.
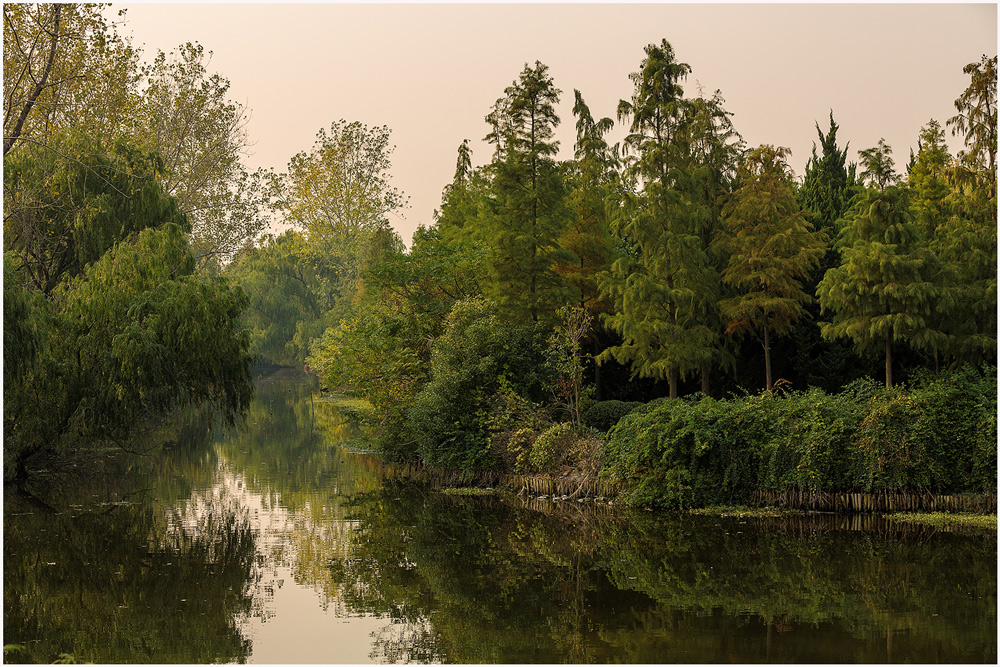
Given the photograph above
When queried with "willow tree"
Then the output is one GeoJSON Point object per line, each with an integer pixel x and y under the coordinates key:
{"type": "Point", "coordinates": [528, 208]}
{"type": "Point", "coordinates": [665, 286]}
{"type": "Point", "coordinates": [771, 247]}
{"type": "Point", "coordinates": [62, 214]}
{"type": "Point", "coordinates": [887, 287]}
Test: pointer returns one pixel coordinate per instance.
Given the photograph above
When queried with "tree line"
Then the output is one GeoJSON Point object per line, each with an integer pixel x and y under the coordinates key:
{"type": "Point", "coordinates": [679, 261]}
{"type": "Point", "coordinates": [138, 274]}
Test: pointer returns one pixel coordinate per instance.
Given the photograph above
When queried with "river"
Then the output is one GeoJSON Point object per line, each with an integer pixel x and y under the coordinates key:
{"type": "Point", "coordinates": [281, 542]}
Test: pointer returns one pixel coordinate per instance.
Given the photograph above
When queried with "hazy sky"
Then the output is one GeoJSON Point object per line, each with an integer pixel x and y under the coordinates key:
{"type": "Point", "coordinates": [431, 72]}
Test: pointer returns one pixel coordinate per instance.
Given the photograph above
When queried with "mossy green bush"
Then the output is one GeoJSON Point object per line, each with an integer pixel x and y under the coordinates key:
{"type": "Point", "coordinates": [937, 435]}
{"type": "Point", "coordinates": [551, 445]}
{"type": "Point", "coordinates": [603, 415]}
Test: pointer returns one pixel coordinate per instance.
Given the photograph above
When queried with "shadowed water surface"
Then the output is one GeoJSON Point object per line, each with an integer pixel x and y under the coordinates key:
{"type": "Point", "coordinates": [279, 543]}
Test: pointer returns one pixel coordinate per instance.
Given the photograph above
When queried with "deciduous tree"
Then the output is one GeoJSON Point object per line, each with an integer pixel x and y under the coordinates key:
{"type": "Point", "coordinates": [340, 194]}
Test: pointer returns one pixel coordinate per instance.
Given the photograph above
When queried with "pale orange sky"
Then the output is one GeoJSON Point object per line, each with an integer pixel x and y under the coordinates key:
{"type": "Point", "coordinates": [432, 72]}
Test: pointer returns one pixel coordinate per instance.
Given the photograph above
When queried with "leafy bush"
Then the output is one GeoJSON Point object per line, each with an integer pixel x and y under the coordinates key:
{"type": "Point", "coordinates": [478, 357]}
{"type": "Point", "coordinates": [602, 415]}
{"type": "Point", "coordinates": [551, 445]}
{"type": "Point", "coordinates": [939, 435]}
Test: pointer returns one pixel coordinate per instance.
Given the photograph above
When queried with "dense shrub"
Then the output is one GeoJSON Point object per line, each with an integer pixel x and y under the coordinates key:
{"type": "Point", "coordinates": [602, 415]}
{"type": "Point", "coordinates": [938, 435]}
{"type": "Point", "coordinates": [479, 358]}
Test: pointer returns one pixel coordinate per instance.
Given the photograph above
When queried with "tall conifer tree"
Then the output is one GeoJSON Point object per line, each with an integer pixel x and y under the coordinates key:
{"type": "Point", "coordinates": [886, 289]}
{"type": "Point", "coordinates": [772, 247]}
{"type": "Point", "coordinates": [666, 287]}
{"type": "Point", "coordinates": [528, 208]}
{"type": "Point", "coordinates": [587, 238]}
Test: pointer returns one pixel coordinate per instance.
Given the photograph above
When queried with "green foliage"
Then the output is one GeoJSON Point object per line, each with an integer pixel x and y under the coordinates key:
{"type": "Point", "coordinates": [878, 169]}
{"type": "Point", "coordinates": [593, 180]}
{"type": "Point", "coordinates": [771, 248]}
{"type": "Point", "coordinates": [665, 288]}
{"type": "Point", "coordinates": [865, 439]}
{"type": "Point", "coordinates": [888, 285]}
{"type": "Point", "coordinates": [185, 114]}
{"type": "Point", "coordinates": [977, 120]}
{"type": "Point", "coordinates": [550, 446]}
{"type": "Point", "coordinates": [565, 359]}
{"type": "Point", "coordinates": [133, 337]}
{"type": "Point", "coordinates": [284, 312]}
{"type": "Point", "coordinates": [339, 193]}
{"type": "Point", "coordinates": [603, 415]}
{"type": "Point", "coordinates": [520, 448]}
{"type": "Point", "coordinates": [382, 352]}
{"type": "Point", "coordinates": [66, 205]}
{"type": "Point", "coordinates": [477, 353]}
{"type": "Point", "coordinates": [828, 187]}
{"type": "Point", "coordinates": [527, 210]}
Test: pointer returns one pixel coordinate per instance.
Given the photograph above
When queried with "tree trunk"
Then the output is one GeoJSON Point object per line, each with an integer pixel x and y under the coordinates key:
{"type": "Point", "coordinates": [888, 362]}
{"type": "Point", "coordinates": [673, 382]}
{"type": "Point", "coordinates": [767, 358]}
{"type": "Point", "coordinates": [704, 378]}
{"type": "Point", "coordinates": [8, 141]}
{"type": "Point", "coordinates": [598, 386]}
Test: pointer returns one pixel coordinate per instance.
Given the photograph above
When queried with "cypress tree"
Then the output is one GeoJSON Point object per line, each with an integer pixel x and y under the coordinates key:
{"type": "Point", "coordinates": [665, 287]}
{"type": "Point", "coordinates": [527, 210]}
{"type": "Point", "coordinates": [772, 247]}
{"type": "Point", "coordinates": [886, 289]}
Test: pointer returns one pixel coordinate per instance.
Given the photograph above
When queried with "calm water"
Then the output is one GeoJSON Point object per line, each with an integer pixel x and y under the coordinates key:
{"type": "Point", "coordinates": [277, 544]}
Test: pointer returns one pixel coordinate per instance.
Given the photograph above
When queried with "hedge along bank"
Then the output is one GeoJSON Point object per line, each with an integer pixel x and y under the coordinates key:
{"type": "Point", "coordinates": [937, 436]}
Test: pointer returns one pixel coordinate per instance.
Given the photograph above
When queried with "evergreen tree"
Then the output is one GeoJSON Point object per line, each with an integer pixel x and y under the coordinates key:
{"type": "Point", "coordinates": [463, 203]}
{"type": "Point", "coordinates": [587, 237]}
{"type": "Point", "coordinates": [977, 120]}
{"type": "Point", "coordinates": [967, 240]}
{"type": "Point", "coordinates": [828, 185]}
{"type": "Point", "coordinates": [527, 210]}
{"type": "Point", "coordinates": [928, 177]}
{"type": "Point", "coordinates": [665, 287]}
{"type": "Point", "coordinates": [878, 166]}
{"type": "Point", "coordinates": [771, 246]}
{"type": "Point", "coordinates": [886, 289]}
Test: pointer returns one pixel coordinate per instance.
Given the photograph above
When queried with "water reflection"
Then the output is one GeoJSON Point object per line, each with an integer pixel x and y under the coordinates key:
{"type": "Point", "coordinates": [502, 583]}
{"type": "Point", "coordinates": [121, 582]}
{"type": "Point", "coordinates": [274, 543]}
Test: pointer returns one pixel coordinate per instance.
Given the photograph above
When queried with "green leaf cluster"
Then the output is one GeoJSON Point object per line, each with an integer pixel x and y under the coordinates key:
{"type": "Point", "coordinates": [111, 327]}
{"type": "Point", "coordinates": [864, 439]}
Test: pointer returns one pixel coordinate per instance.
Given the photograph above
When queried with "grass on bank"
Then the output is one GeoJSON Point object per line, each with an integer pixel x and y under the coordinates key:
{"type": "Point", "coordinates": [946, 520]}
{"type": "Point", "coordinates": [348, 402]}
{"type": "Point", "coordinates": [469, 491]}
{"type": "Point", "coordinates": [744, 511]}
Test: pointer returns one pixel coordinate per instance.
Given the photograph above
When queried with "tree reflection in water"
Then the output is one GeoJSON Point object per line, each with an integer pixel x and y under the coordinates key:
{"type": "Point", "coordinates": [176, 561]}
